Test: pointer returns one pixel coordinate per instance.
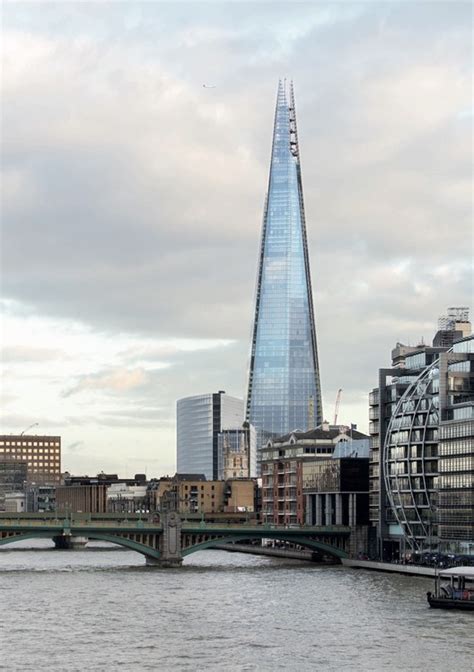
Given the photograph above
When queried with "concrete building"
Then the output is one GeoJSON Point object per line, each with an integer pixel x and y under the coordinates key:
{"type": "Point", "coordinates": [239, 495]}
{"type": "Point", "coordinates": [193, 494]}
{"type": "Point", "coordinates": [87, 494]}
{"type": "Point", "coordinates": [199, 420]}
{"type": "Point", "coordinates": [286, 459]}
{"type": "Point", "coordinates": [81, 498]}
{"type": "Point", "coordinates": [421, 427]}
{"type": "Point", "coordinates": [42, 455]}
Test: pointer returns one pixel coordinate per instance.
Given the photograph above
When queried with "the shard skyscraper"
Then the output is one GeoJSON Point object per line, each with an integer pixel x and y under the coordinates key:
{"type": "Point", "coordinates": [284, 389]}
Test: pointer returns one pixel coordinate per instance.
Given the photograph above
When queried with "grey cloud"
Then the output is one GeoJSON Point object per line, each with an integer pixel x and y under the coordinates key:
{"type": "Point", "coordinates": [113, 380]}
{"type": "Point", "coordinates": [144, 192]}
{"type": "Point", "coordinates": [14, 423]}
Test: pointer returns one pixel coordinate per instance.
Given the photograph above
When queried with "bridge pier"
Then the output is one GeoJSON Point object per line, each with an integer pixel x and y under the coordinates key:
{"type": "Point", "coordinates": [69, 542]}
{"type": "Point", "coordinates": [162, 563]}
{"type": "Point", "coordinates": [170, 543]}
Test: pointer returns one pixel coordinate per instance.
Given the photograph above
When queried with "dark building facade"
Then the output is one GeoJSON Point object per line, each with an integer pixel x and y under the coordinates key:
{"type": "Point", "coordinates": [284, 388]}
{"type": "Point", "coordinates": [336, 490]}
{"type": "Point", "coordinates": [13, 476]}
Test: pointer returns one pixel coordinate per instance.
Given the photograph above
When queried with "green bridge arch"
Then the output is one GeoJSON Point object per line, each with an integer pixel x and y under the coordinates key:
{"type": "Point", "coordinates": [215, 536]}
{"type": "Point", "coordinates": [111, 538]}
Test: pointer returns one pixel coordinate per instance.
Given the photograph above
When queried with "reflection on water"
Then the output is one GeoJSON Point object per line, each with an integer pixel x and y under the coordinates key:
{"type": "Point", "coordinates": [103, 609]}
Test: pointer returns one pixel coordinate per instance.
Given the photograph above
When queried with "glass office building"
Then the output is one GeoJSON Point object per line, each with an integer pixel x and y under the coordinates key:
{"type": "Point", "coordinates": [284, 389]}
{"type": "Point", "coordinates": [429, 454]}
{"type": "Point", "coordinates": [199, 420]}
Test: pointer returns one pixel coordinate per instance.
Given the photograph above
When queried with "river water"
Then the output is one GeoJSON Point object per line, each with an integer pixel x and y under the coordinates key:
{"type": "Point", "coordinates": [103, 609]}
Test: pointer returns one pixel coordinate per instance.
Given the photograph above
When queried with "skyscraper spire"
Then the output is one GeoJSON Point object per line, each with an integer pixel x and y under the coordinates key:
{"type": "Point", "coordinates": [284, 372]}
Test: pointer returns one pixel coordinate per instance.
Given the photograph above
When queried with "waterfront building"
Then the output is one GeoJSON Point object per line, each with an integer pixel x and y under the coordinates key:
{"type": "Point", "coordinates": [284, 391]}
{"type": "Point", "coordinates": [236, 453]}
{"type": "Point", "coordinates": [199, 420]}
{"type": "Point", "coordinates": [86, 494]}
{"type": "Point", "coordinates": [288, 460]}
{"type": "Point", "coordinates": [336, 487]}
{"type": "Point", "coordinates": [42, 455]}
{"type": "Point", "coordinates": [193, 494]}
{"type": "Point", "coordinates": [421, 471]}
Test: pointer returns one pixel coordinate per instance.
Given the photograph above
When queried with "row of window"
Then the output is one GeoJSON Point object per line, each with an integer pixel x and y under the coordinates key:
{"type": "Point", "coordinates": [457, 447]}
{"type": "Point", "coordinates": [457, 481]}
{"type": "Point", "coordinates": [29, 443]}
{"type": "Point", "coordinates": [455, 430]}
{"type": "Point", "coordinates": [465, 463]}
{"type": "Point", "coordinates": [29, 451]}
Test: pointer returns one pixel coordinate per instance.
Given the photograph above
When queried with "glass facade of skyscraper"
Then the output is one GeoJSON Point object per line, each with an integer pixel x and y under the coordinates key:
{"type": "Point", "coordinates": [284, 388]}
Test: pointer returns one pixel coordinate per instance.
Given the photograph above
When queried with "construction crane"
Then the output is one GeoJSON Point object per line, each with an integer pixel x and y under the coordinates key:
{"type": "Point", "coordinates": [338, 402]}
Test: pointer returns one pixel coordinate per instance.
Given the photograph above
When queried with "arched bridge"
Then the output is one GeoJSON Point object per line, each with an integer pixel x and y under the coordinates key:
{"type": "Point", "coordinates": [165, 540]}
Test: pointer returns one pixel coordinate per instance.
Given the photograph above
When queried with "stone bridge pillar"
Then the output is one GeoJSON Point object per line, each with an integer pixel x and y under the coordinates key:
{"type": "Point", "coordinates": [170, 542]}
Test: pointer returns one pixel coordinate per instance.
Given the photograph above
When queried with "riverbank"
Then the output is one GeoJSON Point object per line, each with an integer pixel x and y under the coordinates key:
{"type": "Point", "coordinates": [410, 570]}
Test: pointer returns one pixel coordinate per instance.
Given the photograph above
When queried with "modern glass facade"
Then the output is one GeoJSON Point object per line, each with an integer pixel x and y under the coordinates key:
{"type": "Point", "coordinates": [199, 420]}
{"type": "Point", "coordinates": [428, 455]}
{"type": "Point", "coordinates": [284, 388]}
{"type": "Point", "coordinates": [411, 458]}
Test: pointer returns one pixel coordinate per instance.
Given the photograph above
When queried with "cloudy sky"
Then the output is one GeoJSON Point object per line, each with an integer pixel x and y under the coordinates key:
{"type": "Point", "coordinates": [133, 201]}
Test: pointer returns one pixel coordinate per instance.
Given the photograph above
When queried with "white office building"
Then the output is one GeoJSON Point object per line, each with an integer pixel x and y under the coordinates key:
{"type": "Point", "coordinates": [199, 420]}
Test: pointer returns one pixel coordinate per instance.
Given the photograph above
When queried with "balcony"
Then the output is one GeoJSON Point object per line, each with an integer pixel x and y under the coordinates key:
{"type": "Point", "coordinates": [374, 413]}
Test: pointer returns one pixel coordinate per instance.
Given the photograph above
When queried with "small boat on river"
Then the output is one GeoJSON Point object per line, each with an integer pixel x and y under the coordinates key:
{"type": "Point", "coordinates": [454, 589]}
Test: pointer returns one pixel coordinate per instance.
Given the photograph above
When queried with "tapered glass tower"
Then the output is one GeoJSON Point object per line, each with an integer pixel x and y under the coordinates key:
{"type": "Point", "coordinates": [284, 389]}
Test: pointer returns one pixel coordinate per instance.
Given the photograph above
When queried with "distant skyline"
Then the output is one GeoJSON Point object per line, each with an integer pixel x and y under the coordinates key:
{"type": "Point", "coordinates": [133, 201]}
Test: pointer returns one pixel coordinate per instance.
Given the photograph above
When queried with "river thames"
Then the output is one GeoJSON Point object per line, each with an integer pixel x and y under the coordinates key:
{"type": "Point", "coordinates": [103, 609]}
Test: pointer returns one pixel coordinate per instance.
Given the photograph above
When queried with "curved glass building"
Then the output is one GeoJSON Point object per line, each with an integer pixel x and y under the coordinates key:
{"type": "Point", "coordinates": [284, 388]}
{"type": "Point", "coordinates": [428, 453]}
{"type": "Point", "coordinates": [410, 457]}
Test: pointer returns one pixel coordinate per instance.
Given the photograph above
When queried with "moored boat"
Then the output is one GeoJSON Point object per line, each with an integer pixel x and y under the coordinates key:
{"type": "Point", "coordinates": [454, 589]}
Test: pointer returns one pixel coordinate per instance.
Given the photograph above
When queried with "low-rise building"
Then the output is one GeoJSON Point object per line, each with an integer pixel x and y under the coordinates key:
{"type": "Point", "coordinates": [15, 502]}
{"type": "Point", "coordinates": [127, 498]}
{"type": "Point", "coordinates": [239, 495]}
{"type": "Point", "coordinates": [89, 494]}
{"type": "Point", "coordinates": [336, 488]}
{"type": "Point", "coordinates": [283, 463]}
{"type": "Point", "coordinates": [192, 493]}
